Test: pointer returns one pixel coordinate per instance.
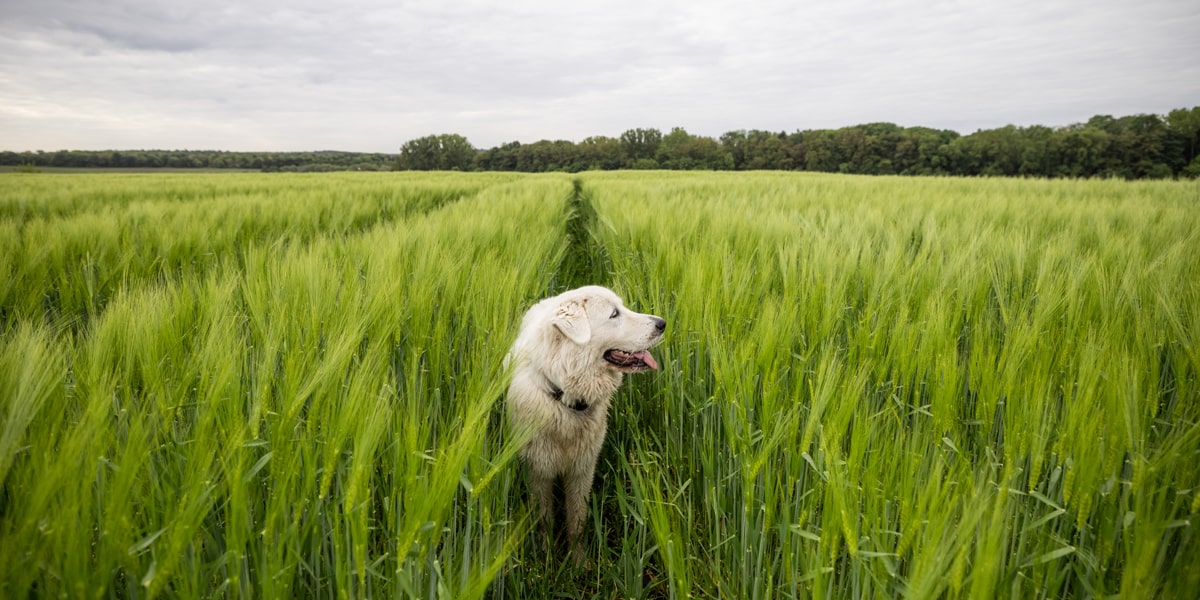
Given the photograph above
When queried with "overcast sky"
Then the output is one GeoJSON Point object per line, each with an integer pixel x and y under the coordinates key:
{"type": "Point", "coordinates": [368, 75]}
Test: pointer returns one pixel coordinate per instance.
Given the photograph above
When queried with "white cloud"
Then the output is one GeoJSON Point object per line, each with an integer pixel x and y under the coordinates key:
{"type": "Point", "coordinates": [363, 75]}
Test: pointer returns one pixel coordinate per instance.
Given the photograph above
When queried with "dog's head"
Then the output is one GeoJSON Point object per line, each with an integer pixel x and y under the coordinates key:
{"type": "Point", "coordinates": [595, 319]}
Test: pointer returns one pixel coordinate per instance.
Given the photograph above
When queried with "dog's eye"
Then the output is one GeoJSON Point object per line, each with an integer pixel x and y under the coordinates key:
{"type": "Point", "coordinates": [615, 314]}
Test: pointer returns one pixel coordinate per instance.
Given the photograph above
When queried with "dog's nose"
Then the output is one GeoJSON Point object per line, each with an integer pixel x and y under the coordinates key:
{"type": "Point", "coordinates": [660, 324]}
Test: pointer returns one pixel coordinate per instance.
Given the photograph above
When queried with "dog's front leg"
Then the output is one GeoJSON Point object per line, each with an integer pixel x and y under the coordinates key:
{"type": "Point", "coordinates": [576, 490]}
{"type": "Point", "coordinates": [543, 490]}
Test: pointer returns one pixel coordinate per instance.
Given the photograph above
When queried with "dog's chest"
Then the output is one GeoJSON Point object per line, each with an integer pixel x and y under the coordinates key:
{"type": "Point", "coordinates": [578, 428]}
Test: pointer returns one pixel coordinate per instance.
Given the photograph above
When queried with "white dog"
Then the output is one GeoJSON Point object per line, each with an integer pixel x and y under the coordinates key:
{"type": "Point", "coordinates": [567, 362]}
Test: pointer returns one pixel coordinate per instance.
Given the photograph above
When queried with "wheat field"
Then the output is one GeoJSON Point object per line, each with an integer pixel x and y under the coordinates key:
{"type": "Point", "coordinates": [287, 386]}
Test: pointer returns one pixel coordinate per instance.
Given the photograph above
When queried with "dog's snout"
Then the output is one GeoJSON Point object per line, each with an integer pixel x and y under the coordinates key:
{"type": "Point", "coordinates": [660, 324]}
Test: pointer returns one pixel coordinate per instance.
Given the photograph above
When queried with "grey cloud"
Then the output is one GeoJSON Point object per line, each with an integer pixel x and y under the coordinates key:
{"type": "Point", "coordinates": [138, 26]}
{"type": "Point", "coordinates": [139, 40]}
{"type": "Point", "coordinates": [370, 74]}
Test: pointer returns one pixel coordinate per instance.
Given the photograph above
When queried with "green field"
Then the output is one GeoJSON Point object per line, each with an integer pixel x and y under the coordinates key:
{"type": "Point", "coordinates": [287, 386]}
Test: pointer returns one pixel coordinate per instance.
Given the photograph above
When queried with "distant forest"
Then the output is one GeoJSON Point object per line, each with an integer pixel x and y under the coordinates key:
{"type": "Point", "coordinates": [1142, 146]}
{"type": "Point", "coordinates": [201, 159]}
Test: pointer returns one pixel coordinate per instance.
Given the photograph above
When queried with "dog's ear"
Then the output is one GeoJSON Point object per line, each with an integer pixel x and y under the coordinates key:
{"type": "Point", "coordinates": [572, 320]}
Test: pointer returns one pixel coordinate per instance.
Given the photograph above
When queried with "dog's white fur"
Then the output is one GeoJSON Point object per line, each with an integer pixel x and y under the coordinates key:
{"type": "Point", "coordinates": [561, 388]}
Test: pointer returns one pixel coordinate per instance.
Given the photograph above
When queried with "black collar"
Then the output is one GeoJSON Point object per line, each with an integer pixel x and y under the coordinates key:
{"type": "Point", "coordinates": [557, 394]}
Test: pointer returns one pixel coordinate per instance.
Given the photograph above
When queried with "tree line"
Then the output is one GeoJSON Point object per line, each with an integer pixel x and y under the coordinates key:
{"type": "Point", "coordinates": [202, 159]}
{"type": "Point", "coordinates": [1132, 147]}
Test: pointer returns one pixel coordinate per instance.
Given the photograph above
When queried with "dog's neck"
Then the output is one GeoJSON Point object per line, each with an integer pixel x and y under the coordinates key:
{"type": "Point", "coordinates": [556, 393]}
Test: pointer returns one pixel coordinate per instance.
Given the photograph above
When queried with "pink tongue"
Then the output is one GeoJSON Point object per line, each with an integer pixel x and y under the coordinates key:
{"type": "Point", "coordinates": [645, 357]}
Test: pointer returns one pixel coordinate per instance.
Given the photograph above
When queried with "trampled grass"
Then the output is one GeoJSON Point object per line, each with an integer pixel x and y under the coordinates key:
{"type": "Point", "coordinates": [286, 386]}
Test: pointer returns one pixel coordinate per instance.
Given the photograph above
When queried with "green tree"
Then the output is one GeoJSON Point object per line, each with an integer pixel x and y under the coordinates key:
{"type": "Point", "coordinates": [923, 151]}
{"type": "Point", "coordinates": [446, 152]}
{"type": "Point", "coordinates": [821, 151]}
{"type": "Point", "coordinates": [758, 150]}
{"type": "Point", "coordinates": [600, 152]}
{"type": "Point", "coordinates": [1081, 151]}
{"type": "Point", "coordinates": [639, 144]}
{"type": "Point", "coordinates": [545, 155]}
{"type": "Point", "coordinates": [1039, 155]}
{"type": "Point", "coordinates": [735, 143]}
{"type": "Point", "coordinates": [684, 151]}
{"type": "Point", "coordinates": [1149, 145]}
{"type": "Point", "coordinates": [1184, 124]}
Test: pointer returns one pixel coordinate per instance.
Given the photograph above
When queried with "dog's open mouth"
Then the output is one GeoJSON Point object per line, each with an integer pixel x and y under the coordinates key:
{"type": "Point", "coordinates": [630, 362]}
